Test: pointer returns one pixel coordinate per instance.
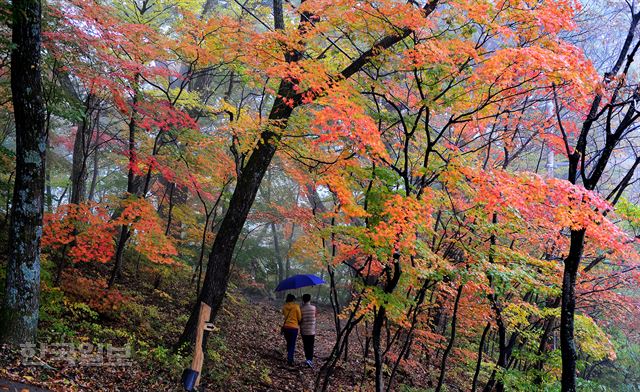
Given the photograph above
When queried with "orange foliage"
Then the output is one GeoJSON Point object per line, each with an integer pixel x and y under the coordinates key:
{"type": "Point", "coordinates": [86, 231]}
{"type": "Point", "coordinates": [93, 292]}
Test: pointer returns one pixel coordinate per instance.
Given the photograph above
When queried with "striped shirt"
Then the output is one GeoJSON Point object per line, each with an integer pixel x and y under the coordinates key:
{"type": "Point", "coordinates": [308, 324]}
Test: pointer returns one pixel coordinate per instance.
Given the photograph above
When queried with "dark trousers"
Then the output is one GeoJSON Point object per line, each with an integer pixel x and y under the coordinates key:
{"type": "Point", "coordinates": [290, 335]}
{"type": "Point", "coordinates": [308, 342]}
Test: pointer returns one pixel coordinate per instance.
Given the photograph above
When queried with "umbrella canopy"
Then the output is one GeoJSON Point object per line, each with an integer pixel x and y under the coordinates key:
{"type": "Point", "coordinates": [297, 281]}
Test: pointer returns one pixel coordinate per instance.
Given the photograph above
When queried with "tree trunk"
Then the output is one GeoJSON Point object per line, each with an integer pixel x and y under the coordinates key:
{"type": "Point", "coordinates": [505, 349]}
{"type": "Point", "coordinates": [380, 318]}
{"type": "Point", "coordinates": [94, 176]}
{"type": "Point", "coordinates": [250, 176]}
{"type": "Point", "coordinates": [7, 206]}
{"type": "Point", "coordinates": [445, 355]}
{"type": "Point", "coordinates": [276, 246]}
{"type": "Point", "coordinates": [474, 383]}
{"type": "Point", "coordinates": [132, 188]}
{"type": "Point", "coordinates": [203, 244]}
{"type": "Point", "coordinates": [376, 332]}
{"type": "Point", "coordinates": [117, 265]}
{"type": "Point", "coordinates": [172, 187]}
{"type": "Point", "coordinates": [567, 311]}
{"type": "Point", "coordinates": [48, 190]}
{"type": "Point", "coordinates": [81, 145]}
{"type": "Point", "coordinates": [20, 309]}
{"type": "Point", "coordinates": [548, 327]}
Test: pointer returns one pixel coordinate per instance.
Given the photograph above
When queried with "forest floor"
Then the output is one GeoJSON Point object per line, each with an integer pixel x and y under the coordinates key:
{"type": "Point", "coordinates": [245, 353]}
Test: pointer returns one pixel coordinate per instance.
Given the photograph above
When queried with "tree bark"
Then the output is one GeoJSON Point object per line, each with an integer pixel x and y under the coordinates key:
{"type": "Point", "coordinates": [376, 334]}
{"type": "Point", "coordinates": [78, 167]}
{"type": "Point", "coordinates": [20, 309]}
{"type": "Point", "coordinates": [94, 175]}
{"type": "Point", "coordinates": [47, 179]}
{"type": "Point", "coordinates": [445, 355]}
{"type": "Point", "coordinates": [567, 311]}
{"type": "Point", "coordinates": [81, 151]}
{"type": "Point", "coordinates": [474, 383]}
{"type": "Point", "coordinates": [216, 277]}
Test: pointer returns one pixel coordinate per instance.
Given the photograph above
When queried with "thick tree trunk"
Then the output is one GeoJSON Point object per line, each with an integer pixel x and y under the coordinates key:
{"type": "Point", "coordinates": [567, 311]}
{"type": "Point", "coordinates": [19, 317]}
{"type": "Point", "coordinates": [216, 277]}
{"type": "Point", "coordinates": [617, 128]}
{"type": "Point", "coordinates": [78, 168]}
{"type": "Point", "coordinates": [250, 176]}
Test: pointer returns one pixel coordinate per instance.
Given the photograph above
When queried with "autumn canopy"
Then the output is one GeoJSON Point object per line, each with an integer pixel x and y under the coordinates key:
{"type": "Point", "coordinates": [461, 173]}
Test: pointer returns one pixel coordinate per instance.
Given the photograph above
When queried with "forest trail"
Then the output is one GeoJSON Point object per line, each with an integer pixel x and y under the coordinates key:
{"type": "Point", "coordinates": [258, 345]}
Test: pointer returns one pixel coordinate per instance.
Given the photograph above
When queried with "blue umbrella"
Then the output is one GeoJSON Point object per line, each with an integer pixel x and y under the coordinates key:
{"type": "Point", "coordinates": [297, 281]}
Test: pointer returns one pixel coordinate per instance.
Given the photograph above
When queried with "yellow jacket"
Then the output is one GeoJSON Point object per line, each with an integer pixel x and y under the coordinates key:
{"type": "Point", "coordinates": [292, 315]}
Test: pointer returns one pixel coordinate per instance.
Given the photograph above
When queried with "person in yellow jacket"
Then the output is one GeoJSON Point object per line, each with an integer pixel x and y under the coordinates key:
{"type": "Point", "coordinates": [290, 326]}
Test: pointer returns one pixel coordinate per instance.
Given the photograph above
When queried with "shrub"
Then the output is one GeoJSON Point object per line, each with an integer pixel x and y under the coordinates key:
{"type": "Point", "coordinates": [94, 292]}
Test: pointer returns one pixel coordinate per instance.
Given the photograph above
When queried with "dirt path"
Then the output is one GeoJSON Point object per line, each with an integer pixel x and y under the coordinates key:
{"type": "Point", "coordinates": [256, 352]}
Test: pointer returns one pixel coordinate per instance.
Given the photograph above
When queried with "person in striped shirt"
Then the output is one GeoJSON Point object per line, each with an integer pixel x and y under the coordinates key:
{"type": "Point", "coordinates": [308, 328]}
